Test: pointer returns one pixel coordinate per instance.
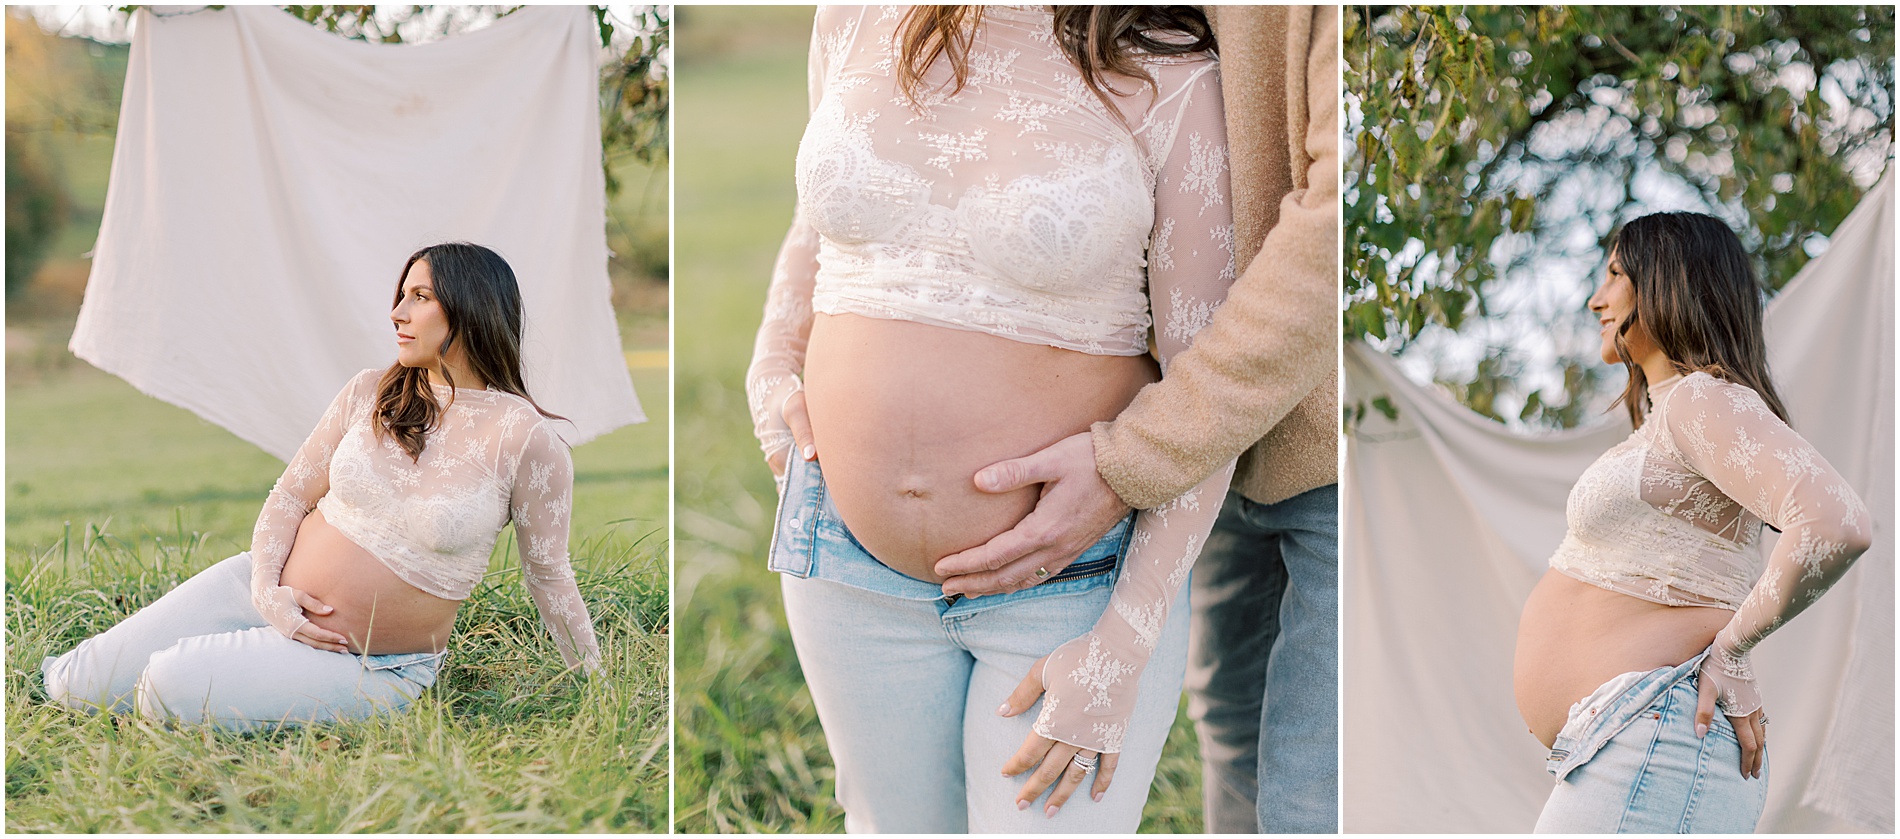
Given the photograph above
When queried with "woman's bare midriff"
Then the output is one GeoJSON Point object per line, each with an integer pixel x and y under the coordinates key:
{"type": "Point", "coordinates": [904, 414]}
{"type": "Point", "coordinates": [1575, 636]}
{"type": "Point", "coordinates": [375, 609]}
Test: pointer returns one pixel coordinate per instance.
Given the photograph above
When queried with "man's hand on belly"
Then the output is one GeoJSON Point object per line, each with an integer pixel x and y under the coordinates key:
{"type": "Point", "coordinates": [1076, 508]}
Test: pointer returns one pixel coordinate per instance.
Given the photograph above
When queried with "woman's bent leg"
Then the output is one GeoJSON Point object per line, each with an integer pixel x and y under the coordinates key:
{"type": "Point", "coordinates": [1007, 640]}
{"type": "Point", "coordinates": [889, 684]}
{"type": "Point", "coordinates": [257, 678]}
{"type": "Point", "coordinates": [1656, 776]}
{"type": "Point", "coordinates": [102, 670]}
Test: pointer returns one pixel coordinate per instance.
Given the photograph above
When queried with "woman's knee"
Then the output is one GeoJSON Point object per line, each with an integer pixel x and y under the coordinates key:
{"type": "Point", "coordinates": [174, 686]}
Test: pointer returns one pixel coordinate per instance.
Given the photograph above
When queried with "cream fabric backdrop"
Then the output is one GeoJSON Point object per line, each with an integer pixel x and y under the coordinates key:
{"type": "Point", "coordinates": [1450, 519]}
{"type": "Point", "coordinates": [269, 179]}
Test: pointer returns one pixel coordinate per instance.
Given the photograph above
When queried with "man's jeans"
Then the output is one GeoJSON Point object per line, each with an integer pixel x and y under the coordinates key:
{"type": "Point", "coordinates": [1263, 665]}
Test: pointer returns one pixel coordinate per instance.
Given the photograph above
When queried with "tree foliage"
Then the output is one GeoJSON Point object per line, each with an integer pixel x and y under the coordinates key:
{"type": "Point", "coordinates": [42, 102]}
{"type": "Point", "coordinates": [1485, 139]}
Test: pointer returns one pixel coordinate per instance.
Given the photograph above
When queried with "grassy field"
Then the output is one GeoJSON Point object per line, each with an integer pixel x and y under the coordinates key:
{"type": "Point", "coordinates": [113, 497]}
{"type": "Point", "coordinates": [751, 756]}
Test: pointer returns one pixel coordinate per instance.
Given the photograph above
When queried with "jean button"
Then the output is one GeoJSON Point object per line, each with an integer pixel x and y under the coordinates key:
{"type": "Point", "coordinates": [797, 522]}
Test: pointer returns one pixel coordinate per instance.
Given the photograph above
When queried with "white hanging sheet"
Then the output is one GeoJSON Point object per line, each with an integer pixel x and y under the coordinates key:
{"type": "Point", "coordinates": [1450, 519]}
{"type": "Point", "coordinates": [269, 179]}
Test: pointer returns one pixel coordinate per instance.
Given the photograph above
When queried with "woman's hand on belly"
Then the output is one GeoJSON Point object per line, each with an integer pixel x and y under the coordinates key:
{"type": "Point", "coordinates": [368, 607]}
{"type": "Point", "coordinates": [310, 634]}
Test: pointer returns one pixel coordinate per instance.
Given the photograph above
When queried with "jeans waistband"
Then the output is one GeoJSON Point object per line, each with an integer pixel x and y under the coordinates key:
{"type": "Point", "coordinates": [1603, 714]}
{"type": "Point", "coordinates": [809, 539]}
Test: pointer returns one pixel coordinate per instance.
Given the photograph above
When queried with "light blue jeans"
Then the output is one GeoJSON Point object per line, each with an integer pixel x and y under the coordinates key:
{"type": "Point", "coordinates": [202, 654]}
{"type": "Point", "coordinates": [1628, 761]}
{"type": "Point", "coordinates": [907, 684]}
{"type": "Point", "coordinates": [1263, 672]}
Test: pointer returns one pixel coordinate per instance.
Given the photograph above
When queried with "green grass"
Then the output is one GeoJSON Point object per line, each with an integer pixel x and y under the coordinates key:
{"type": "Point", "coordinates": [751, 756]}
{"type": "Point", "coordinates": [503, 742]}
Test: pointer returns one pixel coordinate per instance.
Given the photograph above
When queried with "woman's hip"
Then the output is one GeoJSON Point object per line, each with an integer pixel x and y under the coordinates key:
{"type": "Point", "coordinates": [1628, 761]}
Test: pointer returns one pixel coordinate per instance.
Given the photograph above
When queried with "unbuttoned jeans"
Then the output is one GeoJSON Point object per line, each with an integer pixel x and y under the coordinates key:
{"type": "Point", "coordinates": [907, 683]}
{"type": "Point", "coordinates": [1263, 675]}
{"type": "Point", "coordinates": [1628, 761]}
{"type": "Point", "coordinates": [202, 654]}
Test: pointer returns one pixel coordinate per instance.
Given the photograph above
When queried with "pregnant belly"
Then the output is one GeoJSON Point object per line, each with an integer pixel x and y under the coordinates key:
{"type": "Point", "coordinates": [375, 609]}
{"type": "Point", "coordinates": [1574, 636]}
{"type": "Point", "coordinates": [904, 414]}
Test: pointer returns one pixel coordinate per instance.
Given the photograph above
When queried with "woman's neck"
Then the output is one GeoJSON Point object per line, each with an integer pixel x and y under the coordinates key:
{"type": "Point", "coordinates": [442, 373]}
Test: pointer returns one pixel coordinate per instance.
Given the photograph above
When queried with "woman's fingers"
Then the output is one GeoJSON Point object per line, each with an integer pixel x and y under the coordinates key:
{"type": "Point", "coordinates": [1054, 765]}
{"type": "Point", "coordinates": [309, 603]}
{"type": "Point", "coordinates": [800, 423]}
{"type": "Point", "coordinates": [1748, 733]}
{"type": "Point", "coordinates": [1704, 706]}
{"type": "Point", "coordinates": [312, 635]}
{"type": "Point", "coordinates": [1105, 774]}
{"type": "Point", "coordinates": [1073, 774]}
{"type": "Point", "coordinates": [1024, 695]}
{"type": "Point", "coordinates": [1028, 757]}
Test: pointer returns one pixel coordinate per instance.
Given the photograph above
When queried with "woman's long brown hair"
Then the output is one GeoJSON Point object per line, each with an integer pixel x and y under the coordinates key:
{"type": "Point", "coordinates": [482, 302]}
{"type": "Point", "coordinates": [1697, 298]}
{"type": "Point", "coordinates": [1099, 40]}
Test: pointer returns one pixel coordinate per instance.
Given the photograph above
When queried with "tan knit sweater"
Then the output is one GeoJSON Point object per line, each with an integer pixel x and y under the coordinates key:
{"type": "Point", "coordinates": [1262, 378]}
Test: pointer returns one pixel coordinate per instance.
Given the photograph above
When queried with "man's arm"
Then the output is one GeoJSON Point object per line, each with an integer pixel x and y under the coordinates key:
{"type": "Point", "coordinates": [1274, 340]}
{"type": "Point", "coordinates": [1267, 347]}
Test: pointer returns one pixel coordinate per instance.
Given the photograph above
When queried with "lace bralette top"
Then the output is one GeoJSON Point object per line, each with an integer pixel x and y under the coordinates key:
{"type": "Point", "coordinates": [491, 459]}
{"type": "Point", "coordinates": [1021, 206]}
{"type": "Point", "coordinates": [1674, 514]}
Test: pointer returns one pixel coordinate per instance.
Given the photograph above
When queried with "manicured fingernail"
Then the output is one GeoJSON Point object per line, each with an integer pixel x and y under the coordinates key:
{"type": "Point", "coordinates": [1022, 805]}
{"type": "Point", "coordinates": [1002, 710]}
{"type": "Point", "coordinates": [1701, 730]}
{"type": "Point", "coordinates": [1098, 797]}
{"type": "Point", "coordinates": [810, 452]}
{"type": "Point", "coordinates": [1050, 811]}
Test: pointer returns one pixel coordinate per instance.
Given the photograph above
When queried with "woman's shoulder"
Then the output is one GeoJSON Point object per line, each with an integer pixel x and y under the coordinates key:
{"type": "Point", "coordinates": [1702, 405]}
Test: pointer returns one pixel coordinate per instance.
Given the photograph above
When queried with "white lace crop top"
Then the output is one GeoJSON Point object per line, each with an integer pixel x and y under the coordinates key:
{"type": "Point", "coordinates": [1674, 515]}
{"type": "Point", "coordinates": [1020, 206]}
{"type": "Point", "coordinates": [491, 459]}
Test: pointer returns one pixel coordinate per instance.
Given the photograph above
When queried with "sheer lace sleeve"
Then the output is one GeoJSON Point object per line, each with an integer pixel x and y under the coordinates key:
{"type": "Point", "coordinates": [778, 353]}
{"type": "Point", "coordinates": [295, 494]}
{"type": "Point", "coordinates": [1092, 681]}
{"type": "Point", "coordinates": [1727, 433]}
{"type": "Point", "coordinates": [540, 502]}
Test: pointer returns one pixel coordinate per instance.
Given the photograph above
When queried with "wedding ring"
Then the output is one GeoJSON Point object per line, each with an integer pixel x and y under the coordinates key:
{"type": "Point", "coordinates": [1042, 573]}
{"type": "Point", "coordinates": [1085, 764]}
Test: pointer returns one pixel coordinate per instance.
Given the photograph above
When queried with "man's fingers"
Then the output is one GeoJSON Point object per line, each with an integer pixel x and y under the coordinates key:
{"type": "Point", "coordinates": [1012, 475]}
{"type": "Point", "coordinates": [1104, 774]}
{"type": "Point", "coordinates": [978, 562]}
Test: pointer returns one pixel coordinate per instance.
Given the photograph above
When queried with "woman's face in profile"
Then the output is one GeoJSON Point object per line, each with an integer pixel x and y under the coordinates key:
{"type": "Point", "coordinates": [421, 323]}
{"type": "Point", "coordinates": [1613, 303]}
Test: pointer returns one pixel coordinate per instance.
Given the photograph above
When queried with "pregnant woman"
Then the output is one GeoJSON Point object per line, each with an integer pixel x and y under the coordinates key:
{"type": "Point", "coordinates": [990, 198]}
{"type": "Point", "coordinates": [380, 526]}
{"type": "Point", "coordinates": [1641, 630]}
